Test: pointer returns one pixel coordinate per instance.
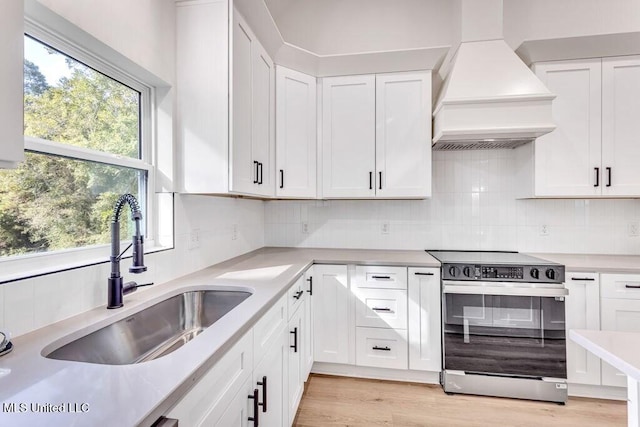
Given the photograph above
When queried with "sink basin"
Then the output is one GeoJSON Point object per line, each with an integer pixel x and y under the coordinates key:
{"type": "Point", "coordinates": [153, 332]}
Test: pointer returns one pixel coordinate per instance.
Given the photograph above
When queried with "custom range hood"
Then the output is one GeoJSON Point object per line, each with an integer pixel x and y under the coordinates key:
{"type": "Point", "coordinates": [490, 99]}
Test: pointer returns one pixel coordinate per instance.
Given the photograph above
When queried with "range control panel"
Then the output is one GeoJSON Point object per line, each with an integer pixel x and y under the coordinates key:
{"type": "Point", "coordinates": [550, 273]}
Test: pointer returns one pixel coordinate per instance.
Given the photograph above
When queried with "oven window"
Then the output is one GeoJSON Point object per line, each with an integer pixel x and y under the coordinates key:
{"type": "Point", "coordinates": [521, 336]}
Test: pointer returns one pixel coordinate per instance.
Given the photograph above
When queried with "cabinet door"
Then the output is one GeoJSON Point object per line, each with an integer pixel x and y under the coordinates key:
{"type": "Point", "coordinates": [295, 367]}
{"type": "Point", "coordinates": [330, 314]}
{"type": "Point", "coordinates": [263, 118]}
{"type": "Point", "coordinates": [582, 312]}
{"type": "Point", "coordinates": [620, 126]}
{"type": "Point", "coordinates": [568, 160]}
{"type": "Point", "coordinates": [239, 410]}
{"type": "Point", "coordinates": [243, 173]}
{"type": "Point", "coordinates": [403, 135]}
{"type": "Point", "coordinates": [307, 362]}
{"type": "Point", "coordinates": [11, 108]}
{"type": "Point", "coordinates": [618, 315]}
{"type": "Point", "coordinates": [295, 134]}
{"type": "Point", "coordinates": [269, 377]}
{"type": "Point", "coordinates": [425, 330]}
{"type": "Point", "coordinates": [348, 136]}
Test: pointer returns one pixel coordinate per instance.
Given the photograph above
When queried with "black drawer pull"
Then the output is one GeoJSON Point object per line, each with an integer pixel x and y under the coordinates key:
{"type": "Point", "coordinates": [310, 280]}
{"type": "Point", "coordinates": [370, 180]}
{"type": "Point", "coordinates": [597, 184]}
{"type": "Point", "coordinates": [632, 286]}
{"type": "Point", "coordinates": [260, 182]}
{"type": "Point", "coordinates": [380, 180]}
{"type": "Point", "coordinates": [381, 277]}
{"type": "Point", "coordinates": [255, 164]}
{"type": "Point", "coordinates": [418, 273]}
{"type": "Point", "coordinates": [295, 340]}
{"type": "Point", "coordinates": [385, 348]}
{"type": "Point", "coordinates": [588, 279]}
{"type": "Point", "coordinates": [386, 309]}
{"type": "Point", "coordinates": [256, 409]}
{"type": "Point", "coordinates": [263, 383]}
{"type": "Point", "coordinates": [281, 178]}
{"type": "Point", "coordinates": [298, 294]}
{"type": "Point", "coordinates": [608, 177]}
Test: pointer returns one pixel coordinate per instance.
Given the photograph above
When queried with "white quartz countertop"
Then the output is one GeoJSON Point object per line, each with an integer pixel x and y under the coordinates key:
{"type": "Point", "coordinates": [129, 395]}
{"type": "Point", "coordinates": [595, 263]}
{"type": "Point", "coordinates": [619, 349]}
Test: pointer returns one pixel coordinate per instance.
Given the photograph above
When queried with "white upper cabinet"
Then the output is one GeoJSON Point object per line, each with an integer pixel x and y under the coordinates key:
{"type": "Point", "coordinates": [226, 102]}
{"type": "Point", "coordinates": [11, 108]}
{"type": "Point", "coordinates": [621, 126]}
{"type": "Point", "coordinates": [348, 134]}
{"type": "Point", "coordinates": [376, 133]}
{"type": "Point", "coordinates": [295, 134]}
{"type": "Point", "coordinates": [403, 135]}
{"type": "Point", "coordinates": [592, 151]}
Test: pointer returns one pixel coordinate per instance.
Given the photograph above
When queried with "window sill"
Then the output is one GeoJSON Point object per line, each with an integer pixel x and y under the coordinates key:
{"type": "Point", "coordinates": [19, 268]}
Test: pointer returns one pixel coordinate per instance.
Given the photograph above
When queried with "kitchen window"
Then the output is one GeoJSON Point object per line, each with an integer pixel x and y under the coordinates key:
{"type": "Point", "coordinates": [87, 130]}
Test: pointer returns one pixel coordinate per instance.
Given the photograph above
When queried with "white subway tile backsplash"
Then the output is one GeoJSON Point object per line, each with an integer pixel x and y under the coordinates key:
{"type": "Point", "coordinates": [473, 207]}
{"type": "Point", "coordinates": [18, 308]}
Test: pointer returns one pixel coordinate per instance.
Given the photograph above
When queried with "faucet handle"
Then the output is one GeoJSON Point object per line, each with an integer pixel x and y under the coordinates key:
{"type": "Point", "coordinates": [130, 287]}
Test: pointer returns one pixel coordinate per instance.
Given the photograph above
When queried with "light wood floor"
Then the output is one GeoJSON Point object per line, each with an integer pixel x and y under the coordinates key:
{"type": "Point", "coordinates": [338, 401]}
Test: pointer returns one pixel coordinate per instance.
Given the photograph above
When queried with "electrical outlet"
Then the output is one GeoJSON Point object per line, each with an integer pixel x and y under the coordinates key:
{"type": "Point", "coordinates": [385, 228]}
{"type": "Point", "coordinates": [234, 232]}
{"type": "Point", "coordinates": [634, 229]}
{"type": "Point", "coordinates": [194, 238]}
{"type": "Point", "coordinates": [544, 230]}
{"type": "Point", "coordinates": [304, 228]}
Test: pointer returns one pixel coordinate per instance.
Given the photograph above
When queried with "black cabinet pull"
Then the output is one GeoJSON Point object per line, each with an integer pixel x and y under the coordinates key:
{"type": "Point", "coordinates": [588, 279]}
{"type": "Point", "coordinates": [310, 280]}
{"type": "Point", "coordinates": [418, 273]}
{"type": "Point", "coordinates": [608, 177]}
{"type": "Point", "coordinates": [597, 184]}
{"type": "Point", "coordinates": [381, 277]}
{"type": "Point", "coordinates": [370, 180]}
{"type": "Point", "coordinates": [385, 309]}
{"type": "Point", "coordinates": [256, 409]}
{"type": "Point", "coordinates": [260, 168]}
{"type": "Point", "coordinates": [385, 348]}
{"type": "Point", "coordinates": [380, 180]}
{"type": "Point", "coordinates": [632, 286]}
{"type": "Point", "coordinates": [298, 294]}
{"type": "Point", "coordinates": [255, 166]}
{"type": "Point", "coordinates": [281, 178]}
{"type": "Point", "coordinates": [295, 340]}
{"type": "Point", "coordinates": [263, 383]}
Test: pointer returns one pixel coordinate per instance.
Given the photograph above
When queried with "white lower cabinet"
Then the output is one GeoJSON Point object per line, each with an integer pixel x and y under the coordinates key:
{"type": "Point", "coordinates": [582, 312]}
{"type": "Point", "coordinates": [425, 324]}
{"type": "Point", "coordinates": [295, 362]}
{"type": "Point", "coordinates": [620, 309]}
{"type": "Point", "coordinates": [208, 400]}
{"type": "Point", "coordinates": [307, 343]}
{"type": "Point", "coordinates": [381, 348]}
{"type": "Point", "coordinates": [241, 412]}
{"type": "Point", "coordinates": [268, 378]}
{"type": "Point", "coordinates": [331, 314]}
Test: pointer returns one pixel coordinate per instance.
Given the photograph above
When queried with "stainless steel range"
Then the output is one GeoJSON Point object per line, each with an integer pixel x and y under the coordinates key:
{"type": "Point", "coordinates": [503, 323]}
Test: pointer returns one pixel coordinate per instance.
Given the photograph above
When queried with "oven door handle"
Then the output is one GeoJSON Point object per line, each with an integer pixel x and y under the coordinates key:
{"type": "Point", "coordinates": [505, 290]}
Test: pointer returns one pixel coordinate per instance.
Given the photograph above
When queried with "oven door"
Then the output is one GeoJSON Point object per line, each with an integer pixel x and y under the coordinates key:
{"type": "Point", "coordinates": [505, 329]}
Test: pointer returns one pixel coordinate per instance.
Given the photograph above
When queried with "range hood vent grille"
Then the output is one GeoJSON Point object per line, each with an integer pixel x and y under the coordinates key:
{"type": "Point", "coordinates": [486, 144]}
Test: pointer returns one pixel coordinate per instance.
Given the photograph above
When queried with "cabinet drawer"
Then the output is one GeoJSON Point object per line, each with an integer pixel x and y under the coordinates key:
{"type": "Point", "coordinates": [214, 391]}
{"type": "Point", "coordinates": [625, 286]}
{"type": "Point", "coordinates": [381, 308]}
{"type": "Point", "coordinates": [380, 277]}
{"type": "Point", "coordinates": [268, 329]}
{"type": "Point", "coordinates": [295, 296]}
{"type": "Point", "coordinates": [382, 348]}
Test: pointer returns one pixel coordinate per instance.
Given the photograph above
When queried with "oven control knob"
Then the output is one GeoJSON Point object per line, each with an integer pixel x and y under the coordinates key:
{"type": "Point", "coordinates": [535, 273]}
{"type": "Point", "coordinates": [453, 271]}
{"type": "Point", "coordinates": [467, 271]}
{"type": "Point", "coordinates": [551, 274]}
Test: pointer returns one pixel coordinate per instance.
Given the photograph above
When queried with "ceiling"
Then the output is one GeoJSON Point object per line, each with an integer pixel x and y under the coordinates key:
{"type": "Point", "coordinates": [335, 27]}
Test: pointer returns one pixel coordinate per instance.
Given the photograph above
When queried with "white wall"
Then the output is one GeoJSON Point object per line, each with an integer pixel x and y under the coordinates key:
{"type": "Point", "coordinates": [34, 303]}
{"type": "Point", "coordinates": [473, 207]}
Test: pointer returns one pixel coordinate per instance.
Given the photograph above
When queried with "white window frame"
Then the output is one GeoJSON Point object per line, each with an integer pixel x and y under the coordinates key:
{"type": "Point", "coordinates": [22, 266]}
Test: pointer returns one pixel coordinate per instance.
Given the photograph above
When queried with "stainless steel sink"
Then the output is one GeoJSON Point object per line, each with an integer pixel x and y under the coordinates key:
{"type": "Point", "coordinates": [153, 332]}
